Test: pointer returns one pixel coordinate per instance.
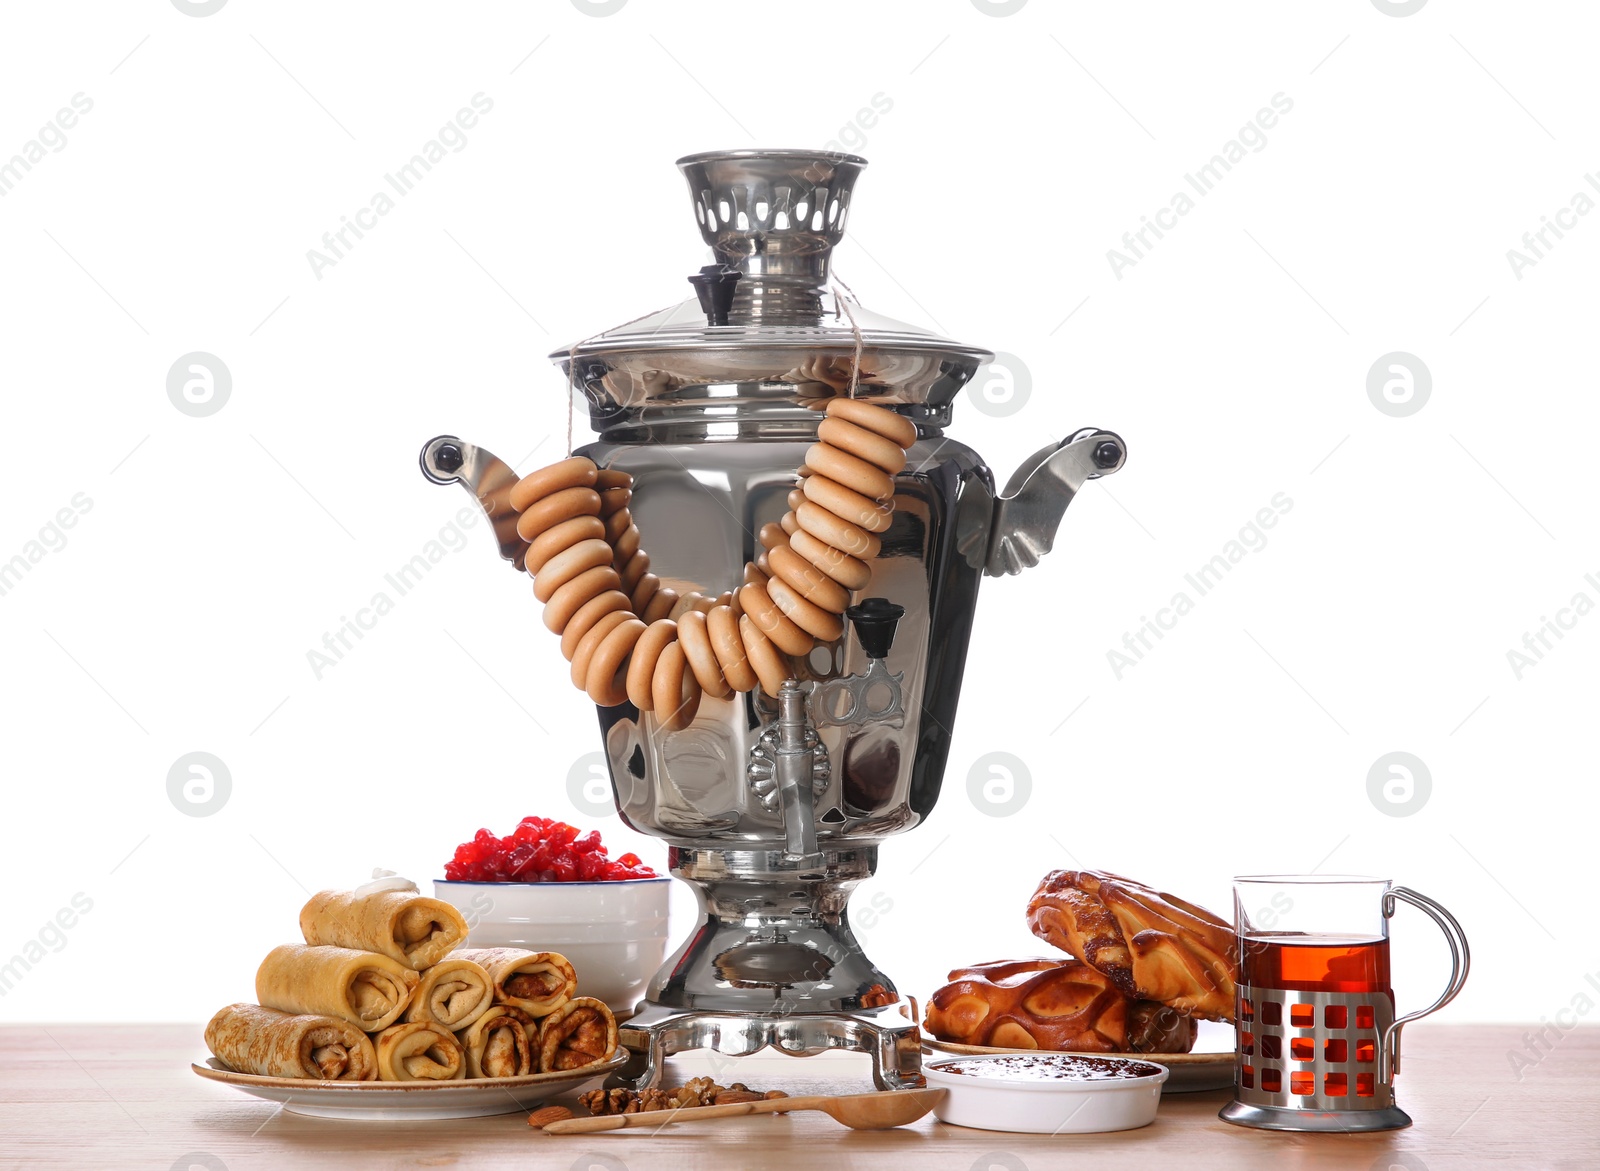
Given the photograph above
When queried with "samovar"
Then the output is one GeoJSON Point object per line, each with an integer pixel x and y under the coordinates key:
{"type": "Point", "coordinates": [773, 806]}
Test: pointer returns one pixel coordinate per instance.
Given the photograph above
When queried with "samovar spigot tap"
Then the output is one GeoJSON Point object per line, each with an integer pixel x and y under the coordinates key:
{"type": "Point", "coordinates": [793, 758]}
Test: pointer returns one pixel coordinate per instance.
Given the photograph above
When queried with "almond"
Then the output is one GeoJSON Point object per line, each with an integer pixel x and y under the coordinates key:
{"type": "Point", "coordinates": [545, 1115]}
{"type": "Point", "coordinates": [728, 1096]}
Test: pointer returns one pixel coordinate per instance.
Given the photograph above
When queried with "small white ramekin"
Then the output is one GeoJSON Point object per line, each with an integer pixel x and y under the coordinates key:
{"type": "Point", "coordinates": [615, 933]}
{"type": "Point", "coordinates": [987, 1100]}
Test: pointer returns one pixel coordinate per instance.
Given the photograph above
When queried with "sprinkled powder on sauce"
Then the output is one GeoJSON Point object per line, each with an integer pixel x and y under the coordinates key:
{"type": "Point", "coordinates": [1049, 1067]}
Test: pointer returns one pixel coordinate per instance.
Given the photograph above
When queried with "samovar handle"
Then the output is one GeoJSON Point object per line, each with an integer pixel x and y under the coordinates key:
{"type": "Point", "coordinates": [448, 460]}
{"type": "Point", "coordinates": [1026, 515]}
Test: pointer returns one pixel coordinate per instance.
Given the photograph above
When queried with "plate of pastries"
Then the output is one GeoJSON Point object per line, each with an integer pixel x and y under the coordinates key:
{"type": "Point", "coordinates": [381, 1013]}
{"type": "Point", "coordinates": [1139, 971]}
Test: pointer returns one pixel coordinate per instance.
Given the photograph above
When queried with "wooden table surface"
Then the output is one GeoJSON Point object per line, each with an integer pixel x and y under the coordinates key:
{"type": "Point", "coordinates": [123, 1096]}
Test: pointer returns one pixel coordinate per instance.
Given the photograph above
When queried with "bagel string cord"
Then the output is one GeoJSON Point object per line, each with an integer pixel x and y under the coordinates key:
{"type": "Point", "coordinates": [839, 302]}
{"type": "Point", "coordinates": [629, 638]}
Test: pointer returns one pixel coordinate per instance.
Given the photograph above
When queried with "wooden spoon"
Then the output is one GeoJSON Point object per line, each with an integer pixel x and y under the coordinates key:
{"type": "Point", "coordinates": [857, 1111]}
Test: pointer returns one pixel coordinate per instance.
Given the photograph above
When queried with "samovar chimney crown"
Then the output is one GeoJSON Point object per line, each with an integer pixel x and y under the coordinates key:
{"type": "Point", "coordinates": [773, 216]}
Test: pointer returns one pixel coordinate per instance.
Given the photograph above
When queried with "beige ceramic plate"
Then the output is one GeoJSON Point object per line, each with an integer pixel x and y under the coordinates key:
{"type": "Point", "coordinates": [395, 1101]}
{"type": "Point", "coordinates": [1191, 1072]}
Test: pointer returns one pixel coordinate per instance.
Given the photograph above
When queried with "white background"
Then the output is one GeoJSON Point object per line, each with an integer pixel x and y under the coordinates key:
{"type": "Point", "coordinates": [1018, 150]}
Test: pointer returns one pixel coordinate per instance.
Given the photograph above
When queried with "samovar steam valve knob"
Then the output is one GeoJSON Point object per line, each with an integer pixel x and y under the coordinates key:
{"type": "Point", "coordinates": [793, 758]}
{"type": "Point", "coordinates": [714, 285]}
{"type": "Point", "coordinates": [875, 620]}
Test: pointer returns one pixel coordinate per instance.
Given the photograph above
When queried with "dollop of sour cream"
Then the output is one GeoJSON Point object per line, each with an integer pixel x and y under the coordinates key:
{"type": "Point", "coordinates": [384, 881]}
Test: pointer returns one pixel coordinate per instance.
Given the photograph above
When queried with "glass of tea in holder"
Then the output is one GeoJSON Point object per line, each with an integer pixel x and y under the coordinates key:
{"type": "Point", "coordinates": [1318, 1039]}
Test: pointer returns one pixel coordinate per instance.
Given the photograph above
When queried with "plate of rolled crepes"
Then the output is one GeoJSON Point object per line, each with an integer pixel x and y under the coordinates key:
{"type": "Point", "coordinates": [380, 1013]}
{"type": "Point", "coordinates": [1144, 971]}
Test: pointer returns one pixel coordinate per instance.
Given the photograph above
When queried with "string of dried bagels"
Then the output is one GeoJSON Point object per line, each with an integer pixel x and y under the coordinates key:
{"type": "Point", "coordinates": [629, 638]}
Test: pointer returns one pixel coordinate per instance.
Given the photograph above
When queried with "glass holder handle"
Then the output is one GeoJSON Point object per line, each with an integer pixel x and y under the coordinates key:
{"type": "Point", "coordinates": [1460, 965]}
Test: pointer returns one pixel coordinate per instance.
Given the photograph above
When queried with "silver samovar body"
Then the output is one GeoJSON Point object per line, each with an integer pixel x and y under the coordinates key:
{"type": "Point", "coordinates": [773, 806]}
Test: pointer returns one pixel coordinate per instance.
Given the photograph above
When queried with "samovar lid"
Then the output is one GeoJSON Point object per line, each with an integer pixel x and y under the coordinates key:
{"type": "Point", "coordinates": [771, 219]}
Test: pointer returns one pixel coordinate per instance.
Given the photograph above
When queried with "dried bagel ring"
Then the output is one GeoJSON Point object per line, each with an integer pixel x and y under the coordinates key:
{"type": "Point", "coordinates": [661, 604]}
{"type": "Point", "coordinates": [626, 545]}
{"type": "Point", "coordinates": [553, 509]}
{"type": "Point", "coordinates": [675, 690]}
{"type": "Point", "coordinates": [614, 500]}
{"type": "Point", "coordinates": [643, 591]}
{"type": "Point", "coordinates": [790, 521]}
{"type": "Point", "coordinates": [583, 655]}
{"type": "Point", "coordinates": [881, 453]}
{"type": "Point", "coordinates": [642, 663]}
{"type": "Point", "coordinates": [688, 603]}
{"type": "Point", "coordinates": [812, 619]}
{"type": "Point", "coordinates": [772, 535]}
{"type": "Point", "coordinates": [722, 626]}
{"type": "Point", "coordinates": [617, 523]}
{"type": "Point", "coordinates": [835, 531]}
{"type": "Point", "coordinates": [753, 575]}
{"type": "Point", "coordinates": [596, 608]}
{"type": "Point", "coordinates": [563, 536]}
{"type": "Point", "coordinates": [770, 620]}
{"type": "Point", "coordinates": [851, 471]}
{"type": "Point", "coordinates": [696, 643]}
{"type": "Point", "coordinates": [841, 567]}
{"type": "Point", "coordinates": [764, 658]}
{"type": "Point", "coordinates": [848, 504]}
{"type": "Point", "coordinates": [611, 478]}
{"type": "Point", "coordinates": [634, 570]}
{"type": "Point", "coordinates": [606, 681]}
{"type": "Point", "coordinates": [573, 596]}
{"type": "Point", "coordinates": [796, 498]}
{"type": "Point", "coordinates": [576, 472]}
{"type": "Point", "coordinates": [809, 582]}
{"type": "Point", "coordinates": [874, 418]}
{"type": "Point", "coordinates": [568, 564]}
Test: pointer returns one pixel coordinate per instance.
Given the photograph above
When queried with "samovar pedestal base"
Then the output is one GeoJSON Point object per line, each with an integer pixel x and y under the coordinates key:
{"type": "Point", "coordinates": [886, 1034]}
{"type": "Point", "coordinates": [773, 963]}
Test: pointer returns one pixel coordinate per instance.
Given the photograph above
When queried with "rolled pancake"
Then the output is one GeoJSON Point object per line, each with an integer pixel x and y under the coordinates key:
{"type": "Point", "coordinates": [501, 1043]}
{"type": "Point", "coordinates": [404, 926]}
{"type": "Point", "coordinates": [537, 982]}
{"type": "Point", "coordinates": [453, 993]}
{"type": "Point", "coordinates": [419, 1051]}
{"type": "Point", "coordinates": [579, 1033]}
{"type": "Point", "coordinates": [370, 991]}
{"type": "Point", "coordinates": [264, 1041]}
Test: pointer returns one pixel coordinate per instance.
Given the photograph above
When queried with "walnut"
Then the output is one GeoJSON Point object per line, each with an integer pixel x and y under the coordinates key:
{"type": "Point", "coordinates": [654, 1100]}
{"type": "Point", "coordinates": [700, 1091]}
{"type": "Point", "coordinates": [607, 1101]}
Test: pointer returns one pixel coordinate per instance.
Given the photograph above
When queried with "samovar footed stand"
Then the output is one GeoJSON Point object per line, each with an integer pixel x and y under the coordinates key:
{"type": "Point", "coordinates": [774, 963]}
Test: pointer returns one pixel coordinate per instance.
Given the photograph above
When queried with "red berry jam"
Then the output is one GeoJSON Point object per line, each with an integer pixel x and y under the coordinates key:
{"type": "Point", "coordinates": [541, 850]}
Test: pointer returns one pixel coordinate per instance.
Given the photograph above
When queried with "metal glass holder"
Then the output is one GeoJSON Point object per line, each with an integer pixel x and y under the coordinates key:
{"type": "Point", "coordinates": [1326, 1061]}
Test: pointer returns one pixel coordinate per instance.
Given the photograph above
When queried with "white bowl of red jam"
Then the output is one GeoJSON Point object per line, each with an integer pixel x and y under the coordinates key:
{"type": "Point", "coordinates": [1047, 1093]}
{"type": "Point", "coordinates": [547, 886]}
